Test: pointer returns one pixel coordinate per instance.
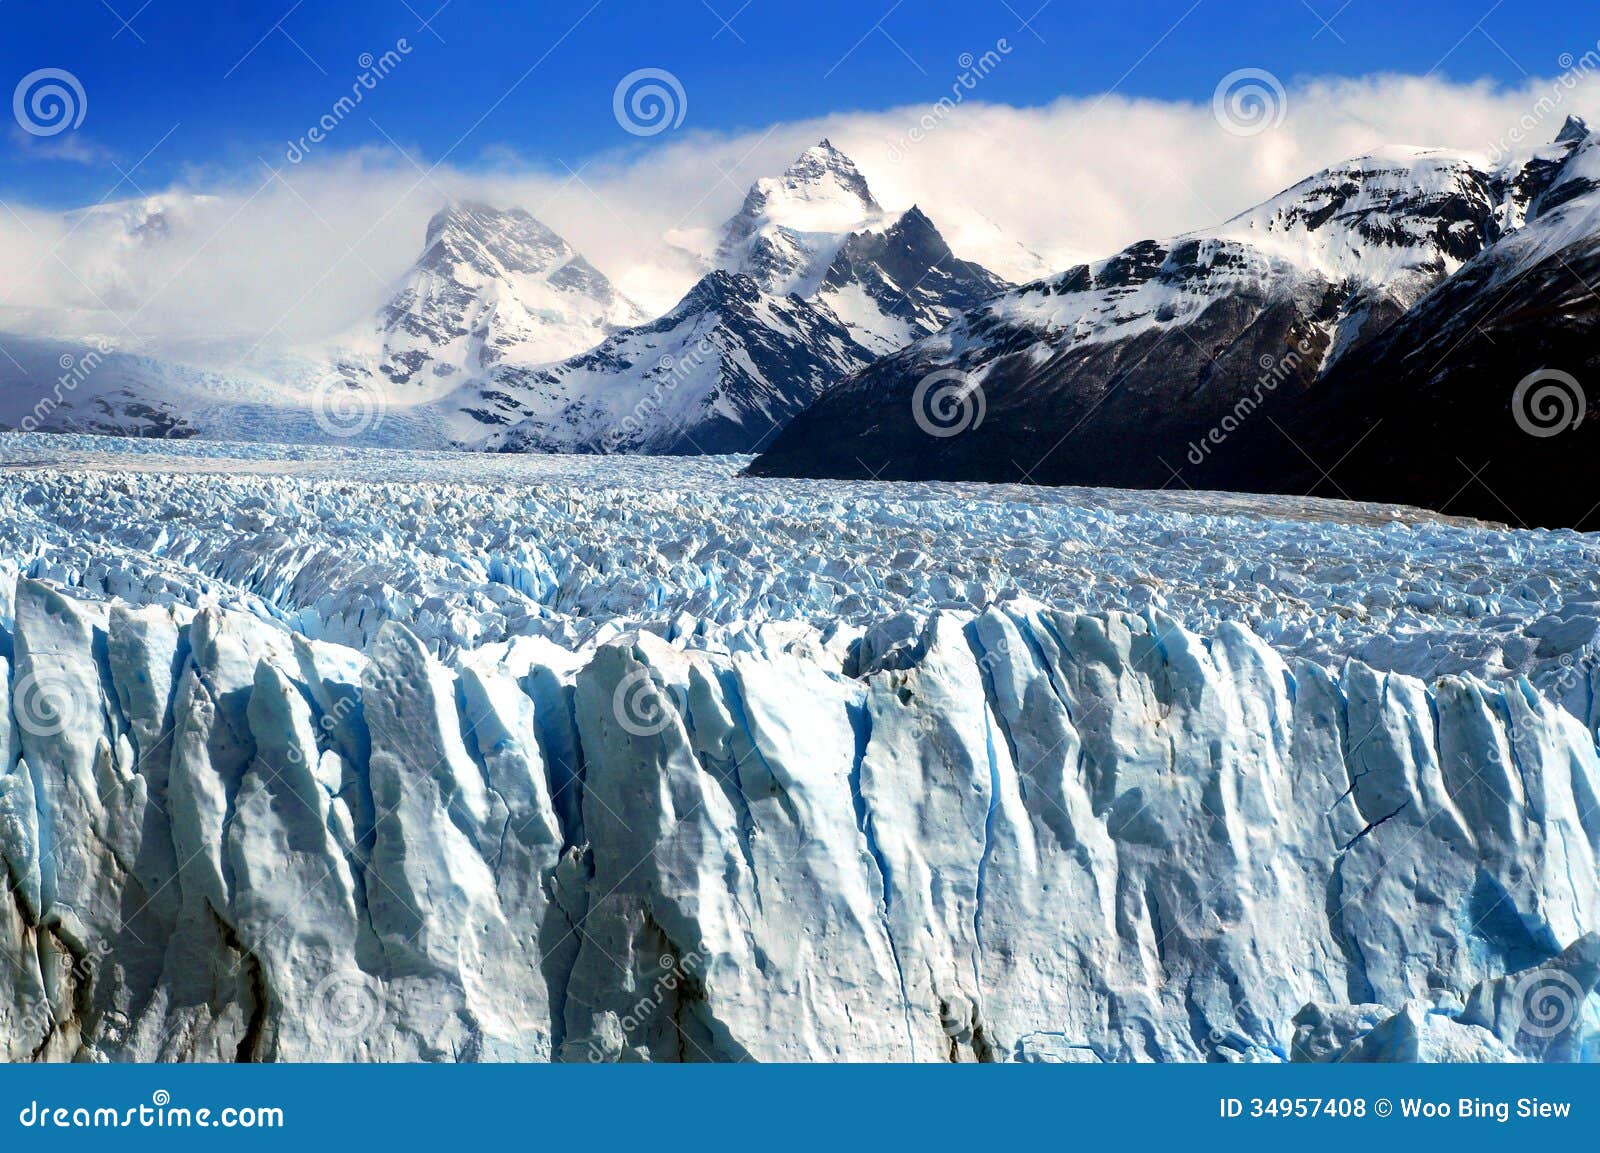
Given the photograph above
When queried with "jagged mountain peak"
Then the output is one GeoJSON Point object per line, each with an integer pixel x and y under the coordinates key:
{"type": "Point", "coordinates": [510, 237]}
{"type": "Point", "coordinates": [717, 286]}
{"type": "Point", "coordinates": [789, 226]}
{"type": "Point", "coordinates": [895, 285]}
{"type": "Point", "coordinates": [1574, 131]}
{"type": "Point", "coordinates": [494, 285]}
{"type": "Point", "coordinates": [1399, 218]}
{"type": "Point", "coordinates": [823, 170]}
{"type": "Point", "coordinates": [1157, 345]}
{"type": "Point", "coordinates": [818, 232]}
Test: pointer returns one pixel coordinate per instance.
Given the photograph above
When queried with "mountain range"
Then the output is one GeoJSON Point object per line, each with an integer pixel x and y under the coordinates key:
{"type": "Point", "coordinates": [502, 337]}
{"type": "Point", "coordinates": [1410, 326]}
{"type": "Point", "coordinates": [1365, 334]}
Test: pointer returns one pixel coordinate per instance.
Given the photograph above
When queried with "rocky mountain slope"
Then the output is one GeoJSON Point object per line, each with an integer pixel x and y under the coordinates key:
{"type": "Point", "coordinates": [818, 232]}
{"type": "Point", "coordinates": [721, 372]}
{"type": "Point", "coordinates": [814, 282]}
{"type": "Point", "coordinates": [493, 286]}
{"type": "Point", "coordinates": [1476, 400]}
{"type": "Point", "coordinates": [1118, 373]}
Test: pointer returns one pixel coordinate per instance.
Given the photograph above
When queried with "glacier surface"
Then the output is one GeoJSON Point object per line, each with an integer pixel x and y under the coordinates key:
{"type": "Point", "coordinates": [348, 755]}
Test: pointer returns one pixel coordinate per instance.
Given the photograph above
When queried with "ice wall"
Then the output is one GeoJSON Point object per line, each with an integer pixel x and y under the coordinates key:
{"type": "Point", "coordinates": [1022, 835]}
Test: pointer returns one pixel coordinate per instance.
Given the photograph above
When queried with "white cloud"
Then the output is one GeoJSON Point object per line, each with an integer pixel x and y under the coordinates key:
{"type": "Point", "coordinates": [310, 252]}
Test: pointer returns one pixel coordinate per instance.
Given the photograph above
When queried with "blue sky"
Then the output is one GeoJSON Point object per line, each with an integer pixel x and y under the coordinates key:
{"type": "Point", "coordinates": [183, 88]}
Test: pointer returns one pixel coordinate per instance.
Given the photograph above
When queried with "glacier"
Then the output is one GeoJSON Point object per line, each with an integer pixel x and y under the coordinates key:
{"type": "Point", "coordinates": [345, 755]}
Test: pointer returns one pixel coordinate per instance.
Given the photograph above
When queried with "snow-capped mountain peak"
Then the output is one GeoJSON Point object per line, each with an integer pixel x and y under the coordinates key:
{"type": "Point", "coordinates": [790, 226]}
{"type": "Point", "coordinates": [1400, 218]}
{"type": "Point", "coordinates": [818, 232]}
{"type": "Point", "coordinates": [494, 285]}
{"type": "Point", "coordinates": [900, 284]}
{"type": "Point", "coordinates": [1574, 131]}
{"type": "Point", "coordinates": [1168, 340]}
{"type": "Point", "coordinates": [821, 190]}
